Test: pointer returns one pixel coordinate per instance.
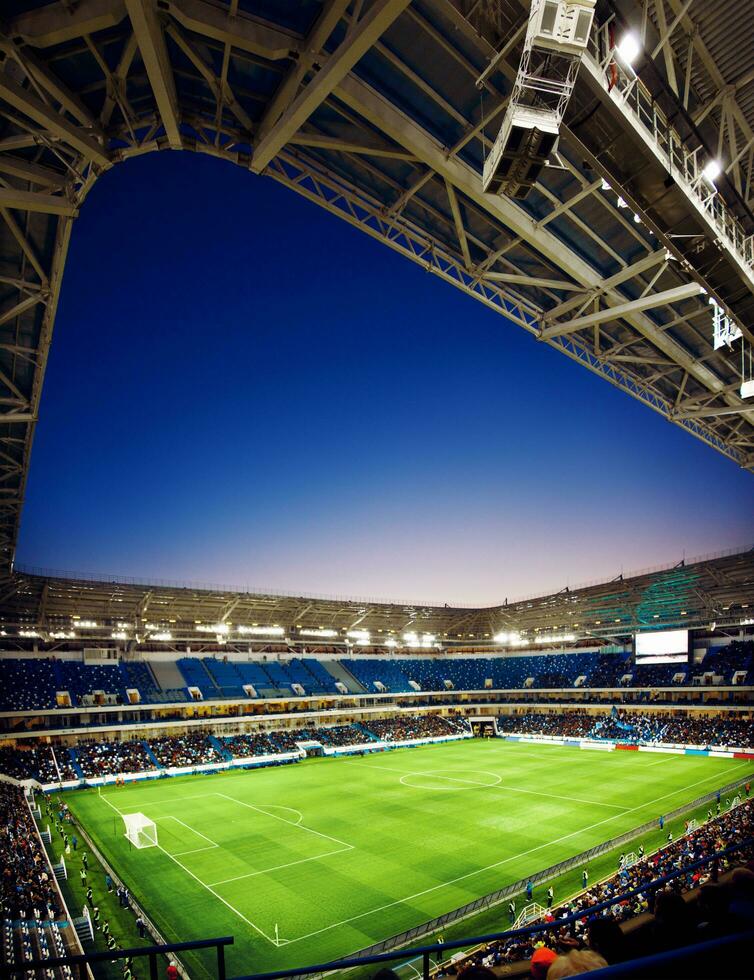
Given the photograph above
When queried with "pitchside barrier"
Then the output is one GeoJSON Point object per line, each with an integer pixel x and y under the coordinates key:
{"type": "Point", "coordinates": [554, 871]}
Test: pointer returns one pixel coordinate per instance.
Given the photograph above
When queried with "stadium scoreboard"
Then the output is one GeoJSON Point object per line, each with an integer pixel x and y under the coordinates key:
{"type": "Point", "coordinates": [661, 647]}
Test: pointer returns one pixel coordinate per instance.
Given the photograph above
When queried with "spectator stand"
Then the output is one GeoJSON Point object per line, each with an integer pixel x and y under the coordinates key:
{"type": "Point", "coordinates": [36, 922]}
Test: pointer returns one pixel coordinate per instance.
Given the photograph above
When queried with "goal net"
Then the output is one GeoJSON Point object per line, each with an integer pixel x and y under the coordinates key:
{"type": "Point", "coordinates": [140, 830]}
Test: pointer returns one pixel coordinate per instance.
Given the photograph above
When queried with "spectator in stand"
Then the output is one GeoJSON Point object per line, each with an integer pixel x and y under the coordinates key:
{"type": "Point", "coordinates": [728, 830]}
{"type": "Point", "coordinates": [112, 758]}
{"type": "Point", "coordinates": [260, 744]}
{"type": "Point", "coordinates": [188, 749]}
{"type": "Point", "coordinates": [26, 887]}
{"type": "Point", "coordinates": [405, 727]}
{"type": "Point", "coordinates": [631, 726]}
{"type": "Point", "coordinates": [575, 962]}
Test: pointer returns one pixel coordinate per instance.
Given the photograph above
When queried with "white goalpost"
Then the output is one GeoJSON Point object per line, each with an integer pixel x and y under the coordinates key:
{"type": "Point", "coordinates": [140, 830]}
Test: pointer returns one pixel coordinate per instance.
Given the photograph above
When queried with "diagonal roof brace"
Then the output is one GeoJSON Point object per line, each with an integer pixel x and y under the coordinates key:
{"type": "Point", "coordinates": [369, 29]}
{"type": "Point", "coordinates": [150, 38]}
{"type": "Point", "coordinates": [675, 295]}
{"type": "Point", "coordinates": [25, 101]}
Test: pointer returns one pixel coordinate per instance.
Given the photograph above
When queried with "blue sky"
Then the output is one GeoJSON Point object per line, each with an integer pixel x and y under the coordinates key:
{"type": "Point", "coordinates": [243, 389]}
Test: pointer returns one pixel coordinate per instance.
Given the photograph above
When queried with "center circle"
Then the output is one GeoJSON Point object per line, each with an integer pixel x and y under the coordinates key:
{"type": "Point", "coordinates": [451, 780]}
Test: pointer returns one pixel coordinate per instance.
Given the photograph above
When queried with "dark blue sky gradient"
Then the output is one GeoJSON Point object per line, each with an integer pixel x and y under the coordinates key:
{"type": "Point", "coordinates": [243, 389]}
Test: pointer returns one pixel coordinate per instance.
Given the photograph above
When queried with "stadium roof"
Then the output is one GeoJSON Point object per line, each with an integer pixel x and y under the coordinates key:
{"type": "Point", "coordinates": [383, 112]}
{"type": "Point", "coordinates": [58, 610]}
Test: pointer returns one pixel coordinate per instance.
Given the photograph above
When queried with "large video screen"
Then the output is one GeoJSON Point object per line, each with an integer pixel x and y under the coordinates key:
{"type": "Point", "coordinates": [666, 647]}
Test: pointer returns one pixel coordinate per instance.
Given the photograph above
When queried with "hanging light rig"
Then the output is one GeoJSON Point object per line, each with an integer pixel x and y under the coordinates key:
{"type": "Point", "coordinates": [556, 37]}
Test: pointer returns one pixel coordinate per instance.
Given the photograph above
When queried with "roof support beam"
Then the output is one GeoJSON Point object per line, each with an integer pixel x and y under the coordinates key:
{"type": "Point", "coordinates": [34, 173]}
{"type": "Point", "coordinates": [346, 146]}
{"type": "Point", "coordinates": [47, 80]}
{"type": "Point", "coordinates": [519, 280]}
{"type": "Point", "coordinates": [631, 271]}
{"type": "Point", "coordinates": [458, 222]}
{"type": "Point", "coordinates": [151, 40]}
{"type": "Point", "coordinates": [651, 301]}
{"type": "Point", "coordinates": [374, 23]}
{"type": "Point", "coordinates": [50, 119]}
{"type": "Point", "coordinates": [286, 92]}
{"type": "Point", "coordinates": [39, 203]}
{"type": "Point", "coordinates": [21, 307]}
{"type": "Point", "coordinates": [710, 413]}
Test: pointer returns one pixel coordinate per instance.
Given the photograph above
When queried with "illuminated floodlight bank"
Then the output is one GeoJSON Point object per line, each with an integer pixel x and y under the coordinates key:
{"type": "Point", "coordinates": [628, 48]}
{"type": "Point", "coordinates": [416, 640]}
{"type": "Point", "coordinates": [324, 633]}
{"type": "Point", "coordinates": [261, 630]}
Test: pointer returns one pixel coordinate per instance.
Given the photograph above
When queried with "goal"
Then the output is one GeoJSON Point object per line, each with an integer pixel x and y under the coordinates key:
{"type": "Point", "coordinates": [140, 830]}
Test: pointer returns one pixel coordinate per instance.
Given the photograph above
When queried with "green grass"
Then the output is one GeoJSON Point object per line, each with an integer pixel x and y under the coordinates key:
{"type": "Point", "coordinates": [340, 853]}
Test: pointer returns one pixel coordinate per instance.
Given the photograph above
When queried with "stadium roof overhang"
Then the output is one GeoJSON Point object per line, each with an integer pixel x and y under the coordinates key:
{"type": "Point", "coordinates": [50, 611]}
{"type": "Point", "coordinates": [383, 112]}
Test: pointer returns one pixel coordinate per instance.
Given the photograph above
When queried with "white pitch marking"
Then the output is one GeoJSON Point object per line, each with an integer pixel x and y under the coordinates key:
{"type": "Point", "coordinates": [279, 867]}
{"type": "Point", "coordinates": [219, 897]}
{"type": "Point", "coordinates": [509, 789]}
{"type": "Point", "coordinates": [251, 806]}
{"type": "Point", "coordinates": [169, 816]}
{"type": "Point", "coordinates": [514, 857]}
{"type": "Point", "coordinates": [203, 884]}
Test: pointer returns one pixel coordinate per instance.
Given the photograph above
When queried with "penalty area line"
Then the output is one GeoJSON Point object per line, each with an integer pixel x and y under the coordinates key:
{"type": "Point", "coordinates": [279, 867]}
{"type": "Point", "coordinates": [211, 890]}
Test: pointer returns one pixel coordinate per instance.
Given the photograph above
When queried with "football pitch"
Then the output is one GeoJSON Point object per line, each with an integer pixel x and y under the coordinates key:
{"type": "Point", "coordinates": [309, 862]}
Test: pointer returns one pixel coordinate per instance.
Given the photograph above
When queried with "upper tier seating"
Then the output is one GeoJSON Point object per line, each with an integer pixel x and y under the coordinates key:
{"type": "Point", "coordinates": [387, 672]}
{"type": "Point", "coordinates": [27, 684]}
{"type": "Point", "coordinates": [83, 679]}
{"type": "Point", "coordinates": [31, 684]}
{"type": "Point", "coordinates": [196, 675]}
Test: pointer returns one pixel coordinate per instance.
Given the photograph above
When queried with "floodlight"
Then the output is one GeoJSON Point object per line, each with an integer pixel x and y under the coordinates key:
{"type": "Point", "coordinates": [160, 636]}
{"type": "Point", "coordinates": [747, 389]}
{"type": "Point", "coordinates": [712, 170]}
{"type": "Point", "coordinates": [629, 48]}
{"type": "Point", "coordinates": [261, 630]}
{"type": "Point", "coordinates": [317, 632]}
{"type": "Point", "coordinates": [213, 628]}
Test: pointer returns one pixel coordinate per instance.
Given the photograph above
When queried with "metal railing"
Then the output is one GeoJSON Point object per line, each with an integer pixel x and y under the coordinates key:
{"type": "Point", "coordinates": [80, 962]}
{"type": "Point", "coordinates": [680, 161]}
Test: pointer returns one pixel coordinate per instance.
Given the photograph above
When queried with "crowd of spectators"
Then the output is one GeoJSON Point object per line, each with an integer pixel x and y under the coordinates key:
{"type": "Point", "coordinates": [28, 763]}
{"type": "Point", "coordinates": [632, 726]}
{"type": "Point", "coordinates": [260, 744]}
{"type": "Point", "coordinates": [561, 724]}
{"type": "Point", "coordinates": [335, 735]}
{"type": "Point", "coordinates": [28, 890]}
{"type": "Point", "coordinates": [721, 908]}
{"type": "Point", "coordinates": [112, 758]}
{"type": "Point", "coordinates": [404, 727]}
{"type": "Point", "coordinates": [188, 749]}
{"type": "Point", "coordinates": [92, 759]}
